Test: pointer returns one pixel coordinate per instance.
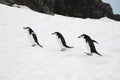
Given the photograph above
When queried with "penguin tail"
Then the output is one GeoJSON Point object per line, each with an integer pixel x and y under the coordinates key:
{"type": "Point", "coordinates": [98, 54]}
{"type": "Point", "coordinates": [39, 45]}
{"type": "Point", "coordinates": [68, 46]}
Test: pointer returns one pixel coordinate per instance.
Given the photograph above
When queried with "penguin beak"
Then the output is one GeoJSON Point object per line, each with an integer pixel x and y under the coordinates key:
{"type": "Point", "coordinates": [79, 36]}
{"type": "Point", "coordinates": [53, 33]}
{"type": "Point", "coordinates": [24, 28]}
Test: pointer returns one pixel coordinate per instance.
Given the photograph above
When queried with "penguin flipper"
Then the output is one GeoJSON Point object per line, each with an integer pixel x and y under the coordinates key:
{"type": "Point", "coordinates": [95, 41]}
{"type": "Point", "coordinates": [36, 40]}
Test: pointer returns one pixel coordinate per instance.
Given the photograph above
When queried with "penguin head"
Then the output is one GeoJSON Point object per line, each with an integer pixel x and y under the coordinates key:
{"type": "Point", "coordinates": [28, 28]}
{"type": "Point", "coordinates": [84, 36]}
{"type": "Point", "coordinates": [55, 33]}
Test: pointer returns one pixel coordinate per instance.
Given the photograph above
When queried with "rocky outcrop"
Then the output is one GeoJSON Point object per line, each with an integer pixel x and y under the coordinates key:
{"type": "Point", "coordinates": [73, 8]}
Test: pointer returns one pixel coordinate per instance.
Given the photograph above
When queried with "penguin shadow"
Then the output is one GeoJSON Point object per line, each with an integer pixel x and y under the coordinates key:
{"type": "Point", "coordinates": [58, 49]}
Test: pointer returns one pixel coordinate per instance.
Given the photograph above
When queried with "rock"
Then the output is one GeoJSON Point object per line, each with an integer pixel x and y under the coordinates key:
{"type": "Point", "coordinates": [73, 8]}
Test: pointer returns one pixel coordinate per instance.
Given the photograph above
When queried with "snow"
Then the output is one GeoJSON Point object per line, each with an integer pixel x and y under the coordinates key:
{"type": "Point", "coordinates": [20, 6]}
{"type": "Point", "coordinates": [20, 61]}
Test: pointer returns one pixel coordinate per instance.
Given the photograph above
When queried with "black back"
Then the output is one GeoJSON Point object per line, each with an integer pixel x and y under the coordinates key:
{"type": "Point", "coordinates": [90, 42]}
{"type": "Point", "coordinates": [31, 31]}
{"type": "Point", "coordinates": [62, 39]}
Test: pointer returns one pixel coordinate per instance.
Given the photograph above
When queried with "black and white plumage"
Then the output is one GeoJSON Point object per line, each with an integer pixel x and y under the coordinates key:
{"type": "Point", "coordinates": [61, 41]}
{"type": "Point", "coordinates": [90, 43]}
{"type": "Point", "coordinates": [32, 36]}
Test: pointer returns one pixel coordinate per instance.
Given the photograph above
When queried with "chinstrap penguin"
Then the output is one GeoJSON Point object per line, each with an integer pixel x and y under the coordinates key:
{"type": "Point", "coordinates": [91, 45]}
{"type": "Point", "coordinates": [61, 41]}
{"type": "Point", "coordinates": [32, 36]}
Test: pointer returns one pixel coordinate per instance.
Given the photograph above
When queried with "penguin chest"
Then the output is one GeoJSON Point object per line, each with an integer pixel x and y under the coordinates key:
{"type": "Point", "coordinates": [60, 43]}
{"type": "Point", "coordinates": [87, 47]}
{"type": "Point", "coordinates": [31, 39]}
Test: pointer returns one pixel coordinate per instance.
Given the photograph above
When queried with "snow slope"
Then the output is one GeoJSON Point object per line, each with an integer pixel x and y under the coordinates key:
{"type": "Point", "coordinates": [20, 61]}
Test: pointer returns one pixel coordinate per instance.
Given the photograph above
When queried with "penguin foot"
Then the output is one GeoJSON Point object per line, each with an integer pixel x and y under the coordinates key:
{"type": "Point", "coordinates": [90, 54]}
{"type": "Point", "coordinates": [33, 45]}
{"type": "Point", "coordinates": [63, 49]}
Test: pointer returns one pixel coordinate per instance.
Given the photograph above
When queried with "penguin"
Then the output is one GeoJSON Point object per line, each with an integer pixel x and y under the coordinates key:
{"type": "Point", "coordinates": [61, 41]}
{"type": "Point", "coordinates": [90, 42]}
{"type": "Point", "coordinates": [32, 36]}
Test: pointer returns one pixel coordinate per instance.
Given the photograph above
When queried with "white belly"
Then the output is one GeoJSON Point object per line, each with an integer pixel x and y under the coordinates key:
{"type": "Point", "coordinates": [31, 39]}
{"type": "Point", "coordinates": [60, 43]}
{"type": "Point", "coordinates": [87, 47]}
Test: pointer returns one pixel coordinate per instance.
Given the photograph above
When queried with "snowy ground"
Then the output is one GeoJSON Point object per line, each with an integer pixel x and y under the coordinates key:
{"type": "Point", "coordinates": [20, 61]}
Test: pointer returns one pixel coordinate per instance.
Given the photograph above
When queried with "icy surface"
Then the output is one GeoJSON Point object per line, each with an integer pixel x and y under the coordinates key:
{"type": "Point", "coordinates": [20, 61]}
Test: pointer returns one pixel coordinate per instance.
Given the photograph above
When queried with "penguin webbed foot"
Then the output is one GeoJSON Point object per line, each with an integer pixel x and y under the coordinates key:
{"type": "Point", "coordinates": [89, 54]}
{"type": "Point", "coordinates": [33, 45]}
{"type": "Point", "coordinates": [63, 49]}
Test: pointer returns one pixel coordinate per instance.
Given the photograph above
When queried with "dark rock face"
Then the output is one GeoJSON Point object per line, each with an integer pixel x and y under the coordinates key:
{"type": "Point", "coordinates": [36, 5]}
{"type": "Point", "coordinates": [85, 9]}
{"type": "Point", "coordinates": [73, 8]}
